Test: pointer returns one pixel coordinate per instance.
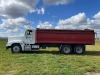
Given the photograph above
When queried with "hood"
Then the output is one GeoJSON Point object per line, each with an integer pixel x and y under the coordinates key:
{"type": "Point", "coordinates": [11, 38]}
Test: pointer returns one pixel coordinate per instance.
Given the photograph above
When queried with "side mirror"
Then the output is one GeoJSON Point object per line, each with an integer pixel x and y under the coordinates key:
{"type": "Point", "coordinates": [26, 33]}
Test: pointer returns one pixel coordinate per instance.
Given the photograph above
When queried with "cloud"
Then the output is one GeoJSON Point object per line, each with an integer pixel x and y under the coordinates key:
{"type": "Point", "coordinates": [80, 21]}
{"type": "Point", "coordinates": [17, 8]}
{"type": "Point", "coordinates": [97, 16]}
{"type": "Point", "coordinates": [66, 27]}
{"type": "Point", "coordinates": [3, 34]}
{"type": "Point", "coordinates": [73, 22]}
{"type": "Point", "coordinates": [14, 25]}
{"type": "Point", "coordinates": [20, 8]}
{"type": "Point", "coordinates": [56, 2]}
{"type": "Point", "coordinates": [95, 24]}
{"type": "Point", "coordinates": [45, 25]}
{"type": "Point", "coordinates": [41, 11]}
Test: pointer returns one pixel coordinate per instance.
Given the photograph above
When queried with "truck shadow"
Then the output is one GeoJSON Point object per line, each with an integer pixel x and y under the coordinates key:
{"type": "Point", "coordinates": [87, 53]}
{"type": "Point", "coordinates": [43, 52]}
{"type": "Point", "coordinates": [92, 53]}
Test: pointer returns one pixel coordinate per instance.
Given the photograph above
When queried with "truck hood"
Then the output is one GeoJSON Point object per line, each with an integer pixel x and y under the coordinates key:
{"type": "Point", "coordinates": [11, 38]}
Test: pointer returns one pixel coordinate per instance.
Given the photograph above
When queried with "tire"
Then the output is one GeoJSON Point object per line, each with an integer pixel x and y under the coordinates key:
{"type": "Point", "coordinates": [66, 49]}
{"type": "Point", "coordinates": [79, 49]}
{"type": "Point", "coordinates": [16, 48]}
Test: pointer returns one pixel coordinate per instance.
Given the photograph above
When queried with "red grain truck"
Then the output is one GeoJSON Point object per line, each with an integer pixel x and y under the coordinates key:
{"type": "Point", "coordinates": [67, 41]}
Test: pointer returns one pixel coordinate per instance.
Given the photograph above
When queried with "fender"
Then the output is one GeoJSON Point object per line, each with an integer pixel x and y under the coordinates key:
{"type": "Point", "coordinates": [10, 43]}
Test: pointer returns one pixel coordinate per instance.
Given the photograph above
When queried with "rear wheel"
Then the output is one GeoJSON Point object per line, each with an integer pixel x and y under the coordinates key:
{"type": "Point", "coordinates": [16, 48]}
{"type": "Point", "coordinates": [66, 49]}
{"type": "Point", "coordinates": [79, 49]}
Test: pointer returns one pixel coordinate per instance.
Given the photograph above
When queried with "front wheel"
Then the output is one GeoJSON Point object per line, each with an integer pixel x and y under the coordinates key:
{"type": "Point", "coordinates": [16, 48]}
{"type": "Point", "coordinates": [79, 49]}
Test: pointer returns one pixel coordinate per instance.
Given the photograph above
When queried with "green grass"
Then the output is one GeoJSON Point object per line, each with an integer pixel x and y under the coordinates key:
{"type": "Point", "coordinates": [49, 62]}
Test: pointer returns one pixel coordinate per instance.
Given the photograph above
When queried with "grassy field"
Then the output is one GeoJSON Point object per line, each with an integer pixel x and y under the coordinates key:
{"type": "Point", "coordinates": [49, 62]}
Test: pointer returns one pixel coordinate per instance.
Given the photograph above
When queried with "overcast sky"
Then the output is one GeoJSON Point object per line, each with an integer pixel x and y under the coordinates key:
{"type": "Point", "coordinates": [17, 15]}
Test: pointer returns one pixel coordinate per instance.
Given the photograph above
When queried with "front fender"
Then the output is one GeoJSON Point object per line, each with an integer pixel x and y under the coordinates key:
{"type": "Point", "coordinates": [10, 43]}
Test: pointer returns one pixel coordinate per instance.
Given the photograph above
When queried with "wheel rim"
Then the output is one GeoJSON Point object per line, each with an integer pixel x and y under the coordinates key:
{"type": "Point", "coordinates": [79, 50]}
{"type": "Point", "coordinates": [67, 50]}
{"type": "Point", "coordinates": [16, 49]}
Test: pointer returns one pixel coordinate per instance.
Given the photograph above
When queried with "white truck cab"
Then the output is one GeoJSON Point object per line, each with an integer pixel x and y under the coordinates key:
{"type": "Point", "coordinates": [23, 43]}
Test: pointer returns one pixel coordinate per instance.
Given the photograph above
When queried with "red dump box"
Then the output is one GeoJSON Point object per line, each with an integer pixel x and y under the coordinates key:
{"type": "Point", "coordinates": [53, 36]}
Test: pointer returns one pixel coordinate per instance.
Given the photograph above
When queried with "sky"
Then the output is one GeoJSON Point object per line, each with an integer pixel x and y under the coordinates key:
{"type": "Point", "coordinates": [18, 15]}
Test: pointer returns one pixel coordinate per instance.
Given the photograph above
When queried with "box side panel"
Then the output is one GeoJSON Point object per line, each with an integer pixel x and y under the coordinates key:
{"type": "Point", "coordinates": [65, 37]}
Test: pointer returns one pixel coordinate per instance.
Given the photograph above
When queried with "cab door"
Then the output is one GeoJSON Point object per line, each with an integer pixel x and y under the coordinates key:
{"type": "Point", "coordinates": [30, 37]}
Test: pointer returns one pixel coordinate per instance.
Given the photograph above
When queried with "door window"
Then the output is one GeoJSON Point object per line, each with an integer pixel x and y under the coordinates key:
{"type": "Point", "coordinates": [29, 32]}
